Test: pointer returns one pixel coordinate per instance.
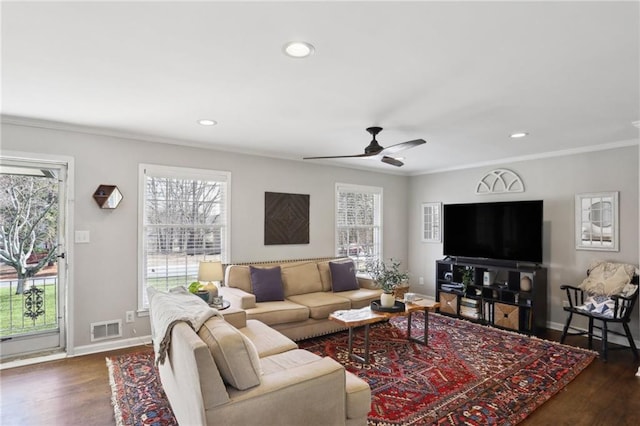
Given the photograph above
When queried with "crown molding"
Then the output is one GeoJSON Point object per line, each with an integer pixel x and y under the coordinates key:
{"type": "Point", "coordinates": [537, 156]}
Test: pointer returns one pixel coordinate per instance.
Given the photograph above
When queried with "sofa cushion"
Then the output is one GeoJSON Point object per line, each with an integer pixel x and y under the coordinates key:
{"type": "Point", "coordinates": [343, 276]}
{"type": "Point", "coordinates": [266, 284]}
{"type": "Point", "coordinates": [234, 354]}
{"type": "Point", "coordinates": [238, 276]}
{"type": "Point", "coordinates": [301, 278]}
{"type": "Point", "coordinates": [267, 340]}
{"type": "Point", "coordinates": [361, 297]}
{"type": "Point", "coordinates": [272, 313]}
{"type": "Point", "coordinates": [321, 303]}
{"type": "Point", "coordinates": [325, 275]}
{"type": "Point", "coordinates": [287, 360]}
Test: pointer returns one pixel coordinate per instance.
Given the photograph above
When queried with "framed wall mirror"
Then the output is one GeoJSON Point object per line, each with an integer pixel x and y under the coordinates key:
{"type": "Point", "coordinates": [597, 221]}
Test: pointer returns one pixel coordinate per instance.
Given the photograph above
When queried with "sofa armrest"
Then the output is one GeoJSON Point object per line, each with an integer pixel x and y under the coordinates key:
{"type": "Point", "coordinates": [366, 282]}
{"type": "Point", "coordinates": [283, 397]}
{"type": "Point", "coordinates": [238, 298]}
{"type": "Point", "coordinates": [190, 377]}
{"type": "Point", "coordinates": [235, 316]}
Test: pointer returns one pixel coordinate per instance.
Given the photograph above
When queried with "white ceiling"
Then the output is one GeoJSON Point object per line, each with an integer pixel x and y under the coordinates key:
{"type": "Point", "coordinates": [461, 75]}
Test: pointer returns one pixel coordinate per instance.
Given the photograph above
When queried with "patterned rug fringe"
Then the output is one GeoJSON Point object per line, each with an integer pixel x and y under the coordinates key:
{"type": "Point", "coordinates": [117, 412]}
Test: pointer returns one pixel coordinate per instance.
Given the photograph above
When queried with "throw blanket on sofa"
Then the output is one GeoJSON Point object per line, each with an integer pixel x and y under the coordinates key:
{"type": "Point", "coordinates": [167, 309]}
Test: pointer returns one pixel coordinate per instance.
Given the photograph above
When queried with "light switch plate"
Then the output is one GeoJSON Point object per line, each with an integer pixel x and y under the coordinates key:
{"type": "Point", "coordinates": [82, 237]}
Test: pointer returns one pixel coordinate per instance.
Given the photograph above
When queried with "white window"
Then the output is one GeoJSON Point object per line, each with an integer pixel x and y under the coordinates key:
{"type": "Point", "coordinates": [359, 223]}
{"type": "Point", "coordinates": [431, 222]}
{"type": "Point", "coordinates": [183, 219]}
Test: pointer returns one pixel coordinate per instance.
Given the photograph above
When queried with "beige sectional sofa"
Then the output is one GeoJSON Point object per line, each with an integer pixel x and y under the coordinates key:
{"type": "Point", "coordinates": [235, 371]}
{"type": "Point", "coordinates": [308, 296]}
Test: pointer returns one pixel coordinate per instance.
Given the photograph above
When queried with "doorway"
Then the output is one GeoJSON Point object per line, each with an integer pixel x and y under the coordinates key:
{"type": "Point", "coordinates": [33, 257]}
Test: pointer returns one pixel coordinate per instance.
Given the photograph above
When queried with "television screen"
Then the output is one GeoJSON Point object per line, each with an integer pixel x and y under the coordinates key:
{"type": "Point", "coordinates": [502, 231]}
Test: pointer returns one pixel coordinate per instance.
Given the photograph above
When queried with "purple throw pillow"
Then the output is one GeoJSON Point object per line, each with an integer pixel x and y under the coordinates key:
{"type": "Point", "coordinates": [343, 276]}
{"type": "Point", "coordinates": [266, 284]}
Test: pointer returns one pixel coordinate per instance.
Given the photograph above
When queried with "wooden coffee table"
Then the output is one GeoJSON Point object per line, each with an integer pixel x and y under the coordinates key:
{"type": "Point", "coordinates": [365, 317]}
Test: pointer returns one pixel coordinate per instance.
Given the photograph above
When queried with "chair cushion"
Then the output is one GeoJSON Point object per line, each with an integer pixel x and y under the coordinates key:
{"type": "Point", "coordinates": [607, 278]}
{"type": "Point", "coordinates": [343, 276]}
{"type": "Point", "coordinates": [599, 305]}
{"type": "Point", "coordinates": [266, 284]}
{"type": "Point", "coordinates": [301, 278]}
{"type": "Point", "coordinates": [234, 354]}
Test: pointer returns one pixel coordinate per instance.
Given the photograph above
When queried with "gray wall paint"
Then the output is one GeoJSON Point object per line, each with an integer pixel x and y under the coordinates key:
{"type": "Point", "coordinates": [556, 181]}
{"type": "Point", "coordinates": [105, 270]}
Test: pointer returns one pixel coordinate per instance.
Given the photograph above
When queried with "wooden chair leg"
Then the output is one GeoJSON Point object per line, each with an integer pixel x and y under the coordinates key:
{"type": "Point", "coordinates": [605, 343]}
{"type": "Point", "coordinates": [566, 327]}
{"type": "Point", "coordinates": [632, 344]}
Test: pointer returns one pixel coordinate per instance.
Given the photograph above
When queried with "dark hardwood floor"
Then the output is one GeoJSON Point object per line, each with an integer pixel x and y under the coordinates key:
{"type": "Point", "coordinates": [76, 391]}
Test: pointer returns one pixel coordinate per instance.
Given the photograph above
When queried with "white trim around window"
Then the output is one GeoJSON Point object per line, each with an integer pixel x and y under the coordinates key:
{"type": "Point", "coordinates": [183, 219]}
{"type": "Point", "coordinates": [358, 222]}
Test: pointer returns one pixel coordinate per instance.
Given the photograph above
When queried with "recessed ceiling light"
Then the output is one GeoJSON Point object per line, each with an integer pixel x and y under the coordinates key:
{"type": "Point", "coordinates": [518, 135]}
{"type": "Point", "coordinates": [207, 122]}
{"type": "Point", "coordinates": [298, 49]}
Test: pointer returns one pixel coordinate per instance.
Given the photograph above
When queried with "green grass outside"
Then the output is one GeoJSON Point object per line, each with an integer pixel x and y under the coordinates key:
{"type": "Point", "coordinates": [12, 308]}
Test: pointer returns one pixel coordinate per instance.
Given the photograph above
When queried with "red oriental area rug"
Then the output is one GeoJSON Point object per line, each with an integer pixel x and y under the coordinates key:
{"type": "Point", "coordinates": [468, 375]}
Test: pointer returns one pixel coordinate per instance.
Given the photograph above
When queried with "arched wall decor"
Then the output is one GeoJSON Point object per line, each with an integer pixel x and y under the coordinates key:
{"type": "Point", "coordinates": [499, 181]}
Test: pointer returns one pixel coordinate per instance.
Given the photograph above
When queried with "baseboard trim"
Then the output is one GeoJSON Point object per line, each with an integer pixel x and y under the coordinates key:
{"type": "Point", "coordinates": [110, 346]}
{"type": "Point", "coordinates": [618, 340]}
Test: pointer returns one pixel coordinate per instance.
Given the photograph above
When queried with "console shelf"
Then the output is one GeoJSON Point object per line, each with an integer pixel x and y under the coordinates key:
{"type": "Point", "coordinates": [494, 296]}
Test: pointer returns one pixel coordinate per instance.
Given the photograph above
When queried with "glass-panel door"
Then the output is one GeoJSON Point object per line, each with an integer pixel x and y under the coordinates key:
{"type": "Point", "coordinates": [32, 257]}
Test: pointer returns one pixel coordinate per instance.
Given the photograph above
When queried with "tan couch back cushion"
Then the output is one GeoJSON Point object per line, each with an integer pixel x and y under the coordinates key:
{"type": "Point", "coordinates": [325, 275]}
{"type": "Point", "coordinates": [235, 355]}
{"type": "Point", "coordinates": [238, 276]}
{"type": "Point", "coordinates": [301, 278]}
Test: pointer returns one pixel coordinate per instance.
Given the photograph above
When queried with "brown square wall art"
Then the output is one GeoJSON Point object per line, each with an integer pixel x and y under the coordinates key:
{"type": "Point", "coordinates": [286, 218]}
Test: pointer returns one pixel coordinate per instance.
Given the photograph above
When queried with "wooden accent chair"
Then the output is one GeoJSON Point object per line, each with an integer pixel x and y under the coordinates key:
{"type": "Point", "coordinates": [607, 308]}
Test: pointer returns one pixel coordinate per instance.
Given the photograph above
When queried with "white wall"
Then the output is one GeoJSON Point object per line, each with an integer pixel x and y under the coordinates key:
{"type": "Point", "coordinates": [555, 181]}
{"type": "Point", "coordinates": [105, 270]}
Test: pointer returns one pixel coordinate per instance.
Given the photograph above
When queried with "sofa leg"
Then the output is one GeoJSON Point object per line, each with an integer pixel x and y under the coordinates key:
{"type": "Point", "coordinates": [605, 343]}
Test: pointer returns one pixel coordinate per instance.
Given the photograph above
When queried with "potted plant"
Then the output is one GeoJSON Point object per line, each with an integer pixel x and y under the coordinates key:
{"type": "Point", "coordinates": [387, 277]}
{"type": "Point", "coordinates": [197, 289]}
{"type": "Point", "coordinates": [467, 277]}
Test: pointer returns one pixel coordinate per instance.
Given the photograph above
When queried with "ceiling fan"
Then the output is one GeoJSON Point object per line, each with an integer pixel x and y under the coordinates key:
{"type": "Point", "coordinates": [375, 150]}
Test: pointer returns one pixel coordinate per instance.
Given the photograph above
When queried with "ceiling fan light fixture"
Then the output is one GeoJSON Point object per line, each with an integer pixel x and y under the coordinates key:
{"type": "Point", "coordinates": [518, 135]}
{"type": "Point", "coordinates": [207, 122]}
{"type": "Point", "coordinates": [298, 49]}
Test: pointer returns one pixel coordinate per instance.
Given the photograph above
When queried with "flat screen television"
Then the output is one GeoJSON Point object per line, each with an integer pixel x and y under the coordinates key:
{"type": "Point", "coordinates": [507, 231]}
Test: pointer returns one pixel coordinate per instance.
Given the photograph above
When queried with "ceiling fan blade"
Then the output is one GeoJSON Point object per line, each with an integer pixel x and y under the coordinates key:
{"type": "Point", "coordinates": [341, 156]}
{"type": "Point", "coordinates": [394, 149]}
{"type": "Point", "coordinates": [392, 161]}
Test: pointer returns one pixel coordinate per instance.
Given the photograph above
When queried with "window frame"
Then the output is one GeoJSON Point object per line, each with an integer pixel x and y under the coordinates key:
{"type": "Point", "coordinates": [431, 222]}
{"type": "Point", "coordinates": [377, 229]}
{"type": "Point", "coordinates": [184, 173]}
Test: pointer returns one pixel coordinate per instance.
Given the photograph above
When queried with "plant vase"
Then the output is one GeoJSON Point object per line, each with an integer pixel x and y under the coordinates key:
{"type": "Point", "coordinates": [387, 300]}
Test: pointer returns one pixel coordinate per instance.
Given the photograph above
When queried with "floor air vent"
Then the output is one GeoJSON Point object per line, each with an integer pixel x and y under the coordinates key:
{"type": "Point", "coordinates": [106, 330]}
